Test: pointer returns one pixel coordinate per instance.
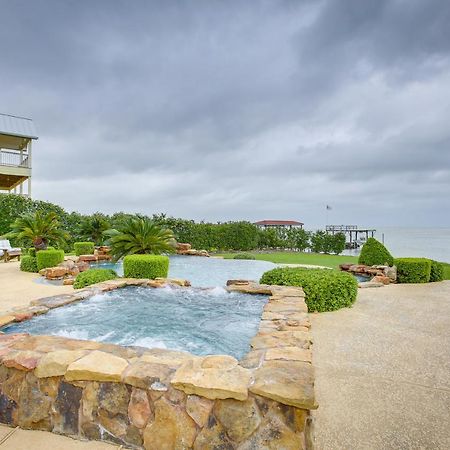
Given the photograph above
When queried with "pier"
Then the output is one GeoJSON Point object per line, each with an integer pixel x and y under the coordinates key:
{"type": "Point", "coordinates": [354, 237]}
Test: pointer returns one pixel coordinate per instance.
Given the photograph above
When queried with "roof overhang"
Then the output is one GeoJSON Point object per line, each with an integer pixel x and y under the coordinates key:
{"type": "Point", "coordinates": [16, 132]}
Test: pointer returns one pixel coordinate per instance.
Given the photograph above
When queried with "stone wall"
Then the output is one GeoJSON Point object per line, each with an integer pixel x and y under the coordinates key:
{"type": "Point", "coordinates": [163, 399]}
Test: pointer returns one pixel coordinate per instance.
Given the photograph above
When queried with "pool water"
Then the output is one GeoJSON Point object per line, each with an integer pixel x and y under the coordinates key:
{"type": "Point", "coordinates": [201, 321]}
{"type": "Point", "coordinates": [207, 272]}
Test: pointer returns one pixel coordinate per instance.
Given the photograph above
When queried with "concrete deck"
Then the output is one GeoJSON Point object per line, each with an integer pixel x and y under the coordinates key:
{"type": "Point", "coordinates": [19, 288]}
{"type": "Point", "coordinates": [18, 439]}
{"type": "Point", "coordinates": [383, 370]}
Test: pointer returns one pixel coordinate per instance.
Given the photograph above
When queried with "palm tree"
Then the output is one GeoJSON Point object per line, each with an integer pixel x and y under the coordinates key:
{"type": "Point", "coordinates": [138, 235]}
{"type": "Point", "coordinates": [39, 228]}
{"type": "Point", "coordinates": [93, 227]}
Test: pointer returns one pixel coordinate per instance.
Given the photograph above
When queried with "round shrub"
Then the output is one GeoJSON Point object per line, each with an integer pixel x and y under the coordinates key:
{"type": "Point", "coordinates": [437, 271]}
{"type": "Point", "coordinates": [83, 248]}
{"type": "Point", "coordinates": [28, 264]}
{"type": "Point", "coordinates": [325, 290]}
{"type": "Point", "coordinates": [145, 266]}
{"type": "Point", "coordinates": [49, 258]}
{"type": "Point", "coordinates": [244, 256]}
{"type": "Point", "coordinates": [413, 270]}
{"type": "Point", "coordinates": [32, 252]}
{"type": "Point", "coordinates": [374, 253]}
{"type": "Point", "coordinates": [93, 276]}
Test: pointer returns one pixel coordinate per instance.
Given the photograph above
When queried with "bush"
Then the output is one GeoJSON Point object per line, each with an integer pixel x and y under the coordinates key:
{"type": "Point", "coordinates": [32, 252]}
{"type": "Point", "coordinates": [93, 276]}
{"type": "Point", "coordinates": [325, 290]}
{"type": "Point", "coordinates": [28, 263]}
{"type": "Point", "coordinates": [244, 256]}
{"type": "Point", "coordinates": [83, 248]}
{"type": "Point", "coordinates": [413, 270]}
{"type": "Point", "coordinates": [374, 253]}
{"type": "Point", "coordinates": [145, 266]}
{"type": "Point", "coordinates": [437, 271]}
{"type": "Point", "coordinates": [49, 258]}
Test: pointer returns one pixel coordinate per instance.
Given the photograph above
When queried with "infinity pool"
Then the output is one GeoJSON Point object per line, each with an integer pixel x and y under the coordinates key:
{"type": "Point", "coordinates": [207, 272]}
{"type": "Point", "coordinates": [201, 321]}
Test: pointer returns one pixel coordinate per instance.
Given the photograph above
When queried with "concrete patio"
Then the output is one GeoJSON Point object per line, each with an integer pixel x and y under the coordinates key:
{"type": "Point", "coordinates": [383, 370]}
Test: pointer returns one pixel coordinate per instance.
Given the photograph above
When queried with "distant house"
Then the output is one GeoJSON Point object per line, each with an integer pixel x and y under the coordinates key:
{"type": "Point", "coordinates": [286, 224]}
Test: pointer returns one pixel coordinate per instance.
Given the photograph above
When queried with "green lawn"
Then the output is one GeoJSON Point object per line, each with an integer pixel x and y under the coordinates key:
{"type": "Point", "coordinates": [317, 259]}
{"type": "Point", "coordinates": [446, 271]}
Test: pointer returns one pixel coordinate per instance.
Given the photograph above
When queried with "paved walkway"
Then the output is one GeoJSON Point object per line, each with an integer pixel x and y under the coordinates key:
{"type": "Point", "coordinates": [18, 439]}
{"type": "Point", "coordinates": [383, 370]}
{"type": "Point", "coordinates": [19, 288]}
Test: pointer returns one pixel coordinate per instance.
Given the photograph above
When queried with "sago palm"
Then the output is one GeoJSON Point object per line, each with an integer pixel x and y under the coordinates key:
{"type": "Point", "coordinates": [39, 228]}
{"type": "Point", "coordinates": [92, 228]}
{"type": "Point", "coordinates": [139, 236]}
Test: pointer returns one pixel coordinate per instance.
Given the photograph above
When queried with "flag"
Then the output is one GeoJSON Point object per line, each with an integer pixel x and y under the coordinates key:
{"type": "Point", "coordinates": [328, 207]}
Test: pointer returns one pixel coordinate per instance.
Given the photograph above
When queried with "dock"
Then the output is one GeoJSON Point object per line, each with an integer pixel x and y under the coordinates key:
{"type": "Point", "coordinates": [354, 237]}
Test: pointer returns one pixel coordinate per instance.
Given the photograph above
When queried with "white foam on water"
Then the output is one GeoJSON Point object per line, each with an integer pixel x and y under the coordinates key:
{"type": "Point", "coordinates": [149, 343]}
{"type": "Point", "coordinates": [72, 334]}
{"type": "Point", "coordinates": [217, 291]}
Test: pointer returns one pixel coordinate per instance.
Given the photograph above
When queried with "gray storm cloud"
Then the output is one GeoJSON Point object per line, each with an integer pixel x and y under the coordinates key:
{"type": "Point", "coordinates": [236, 110]}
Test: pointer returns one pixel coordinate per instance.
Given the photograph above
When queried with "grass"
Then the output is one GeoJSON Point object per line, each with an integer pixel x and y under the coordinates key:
{"type": "Point", "coordinates": [317, 259]}
{"type": "Point", "coordinates": [446, 271]}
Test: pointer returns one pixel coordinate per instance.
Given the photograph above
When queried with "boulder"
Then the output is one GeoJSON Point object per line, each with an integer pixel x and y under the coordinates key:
{"type": "Point", "coordinates": [54, 273]}
{"type": "Point", "coordinates": [381, 279]}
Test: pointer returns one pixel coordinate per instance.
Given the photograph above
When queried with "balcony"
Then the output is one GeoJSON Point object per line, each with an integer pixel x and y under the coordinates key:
{"type": "Point", "coordinates": [14, 159]}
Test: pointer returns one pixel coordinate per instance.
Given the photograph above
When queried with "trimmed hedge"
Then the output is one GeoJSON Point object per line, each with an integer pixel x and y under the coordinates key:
{"type": "Point", "coordinates": [413, 270]}
{"type": "Point", "coordinates": [84, 248]}
{"type": "Point", "coordinates": [244, 256]}
{"type": "Point", "coordinates": [325, 290]}
{"type": "Point", "coordinates": [145, 266]}
{"type": "Point", "coordinates": [32, 252]}
{"type": "Point", "coordinates": [374, 253]}
{"type": "Point", "coordinates": [437, 271]}
{"type": "Point", "coordinates": [93, 276]}
{"type": "Point", "coordinates": [49, 258]}
{"type": "Point", "coordinates": [28, 263]}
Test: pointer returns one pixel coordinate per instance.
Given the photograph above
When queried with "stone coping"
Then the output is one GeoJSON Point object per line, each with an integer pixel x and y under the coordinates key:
{"type": "Point", "coordinates": [278, 366]}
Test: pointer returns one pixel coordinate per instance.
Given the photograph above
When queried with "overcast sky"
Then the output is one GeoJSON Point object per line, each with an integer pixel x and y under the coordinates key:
{"type": "Point", "coordinates": [222, 110]}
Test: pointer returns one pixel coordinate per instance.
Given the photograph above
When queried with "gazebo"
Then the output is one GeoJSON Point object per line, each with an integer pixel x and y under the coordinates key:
{"type": "Point", "coordinates": [16, 137]}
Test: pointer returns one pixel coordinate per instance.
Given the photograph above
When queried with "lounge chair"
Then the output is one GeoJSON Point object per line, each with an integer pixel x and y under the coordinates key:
{"type": "Point", "coordinates": [8, 252]}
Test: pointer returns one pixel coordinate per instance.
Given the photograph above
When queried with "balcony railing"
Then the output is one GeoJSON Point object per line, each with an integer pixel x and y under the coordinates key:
{"type": "Point", "coordinates": [14, 159]}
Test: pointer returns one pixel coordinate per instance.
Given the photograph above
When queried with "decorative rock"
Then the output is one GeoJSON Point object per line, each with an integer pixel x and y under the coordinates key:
{"type": "Point", "coordinates": [273, 434]}
{"type": "Point", "coordinates": [22, 360]}
{"type": "Point", "coordinates": [381, 279]}
{"type": "Point", "coordinates": [54, 273]}
{"type": "Point", "coordinates": [290, 383]}
{"type": "Point", "coordinates": [143, 374]}
{"type": "Point", "coordinates": [34, 406]}
{"type": "Point", "coordinates": [6, 320]}
{"type": "Point", "coordinates": [289, 354]}
{"type": "Point", "coordinates": [69, 281]}
{"type": "Point", "coordinates": [139, 410]}
{"type": "Point", "coordinates": [97, 366]}
{"type": "Point", "coordinates": [219, 378]}
{"type": "Point", "coordinates": [113, 398]}
{"type": "Point", "coordinates": [391, 273]}
{"type": "Point", "coordinates": [281, 339]}
{"type": "Point", "coordinates": [67, 405]}
{"type": "Point", "coordinates": [55, 363]}
{"type": "Point", "coordinates": [199, 409]}
{"type": "Point", "coordinates": [213, 436]}
{"type": "Point", "coordinates": [20, 317]}
{"type": "Point", "coordinates": [240, 419]}
{"type": "Point", "coordinates": [171, 429]}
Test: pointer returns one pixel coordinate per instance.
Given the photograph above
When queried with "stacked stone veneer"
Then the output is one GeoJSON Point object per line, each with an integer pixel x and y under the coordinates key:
{"type": "Point", "coordinates": [163, 399]}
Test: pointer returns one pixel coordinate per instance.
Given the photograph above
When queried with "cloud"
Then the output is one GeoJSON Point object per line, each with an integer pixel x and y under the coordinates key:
{"type": "Point", "coordinates": [236, 110]}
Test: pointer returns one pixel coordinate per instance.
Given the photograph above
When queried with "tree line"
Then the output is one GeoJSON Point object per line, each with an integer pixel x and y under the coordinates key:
{"type": "Point", "coordinates": [227, 236]}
